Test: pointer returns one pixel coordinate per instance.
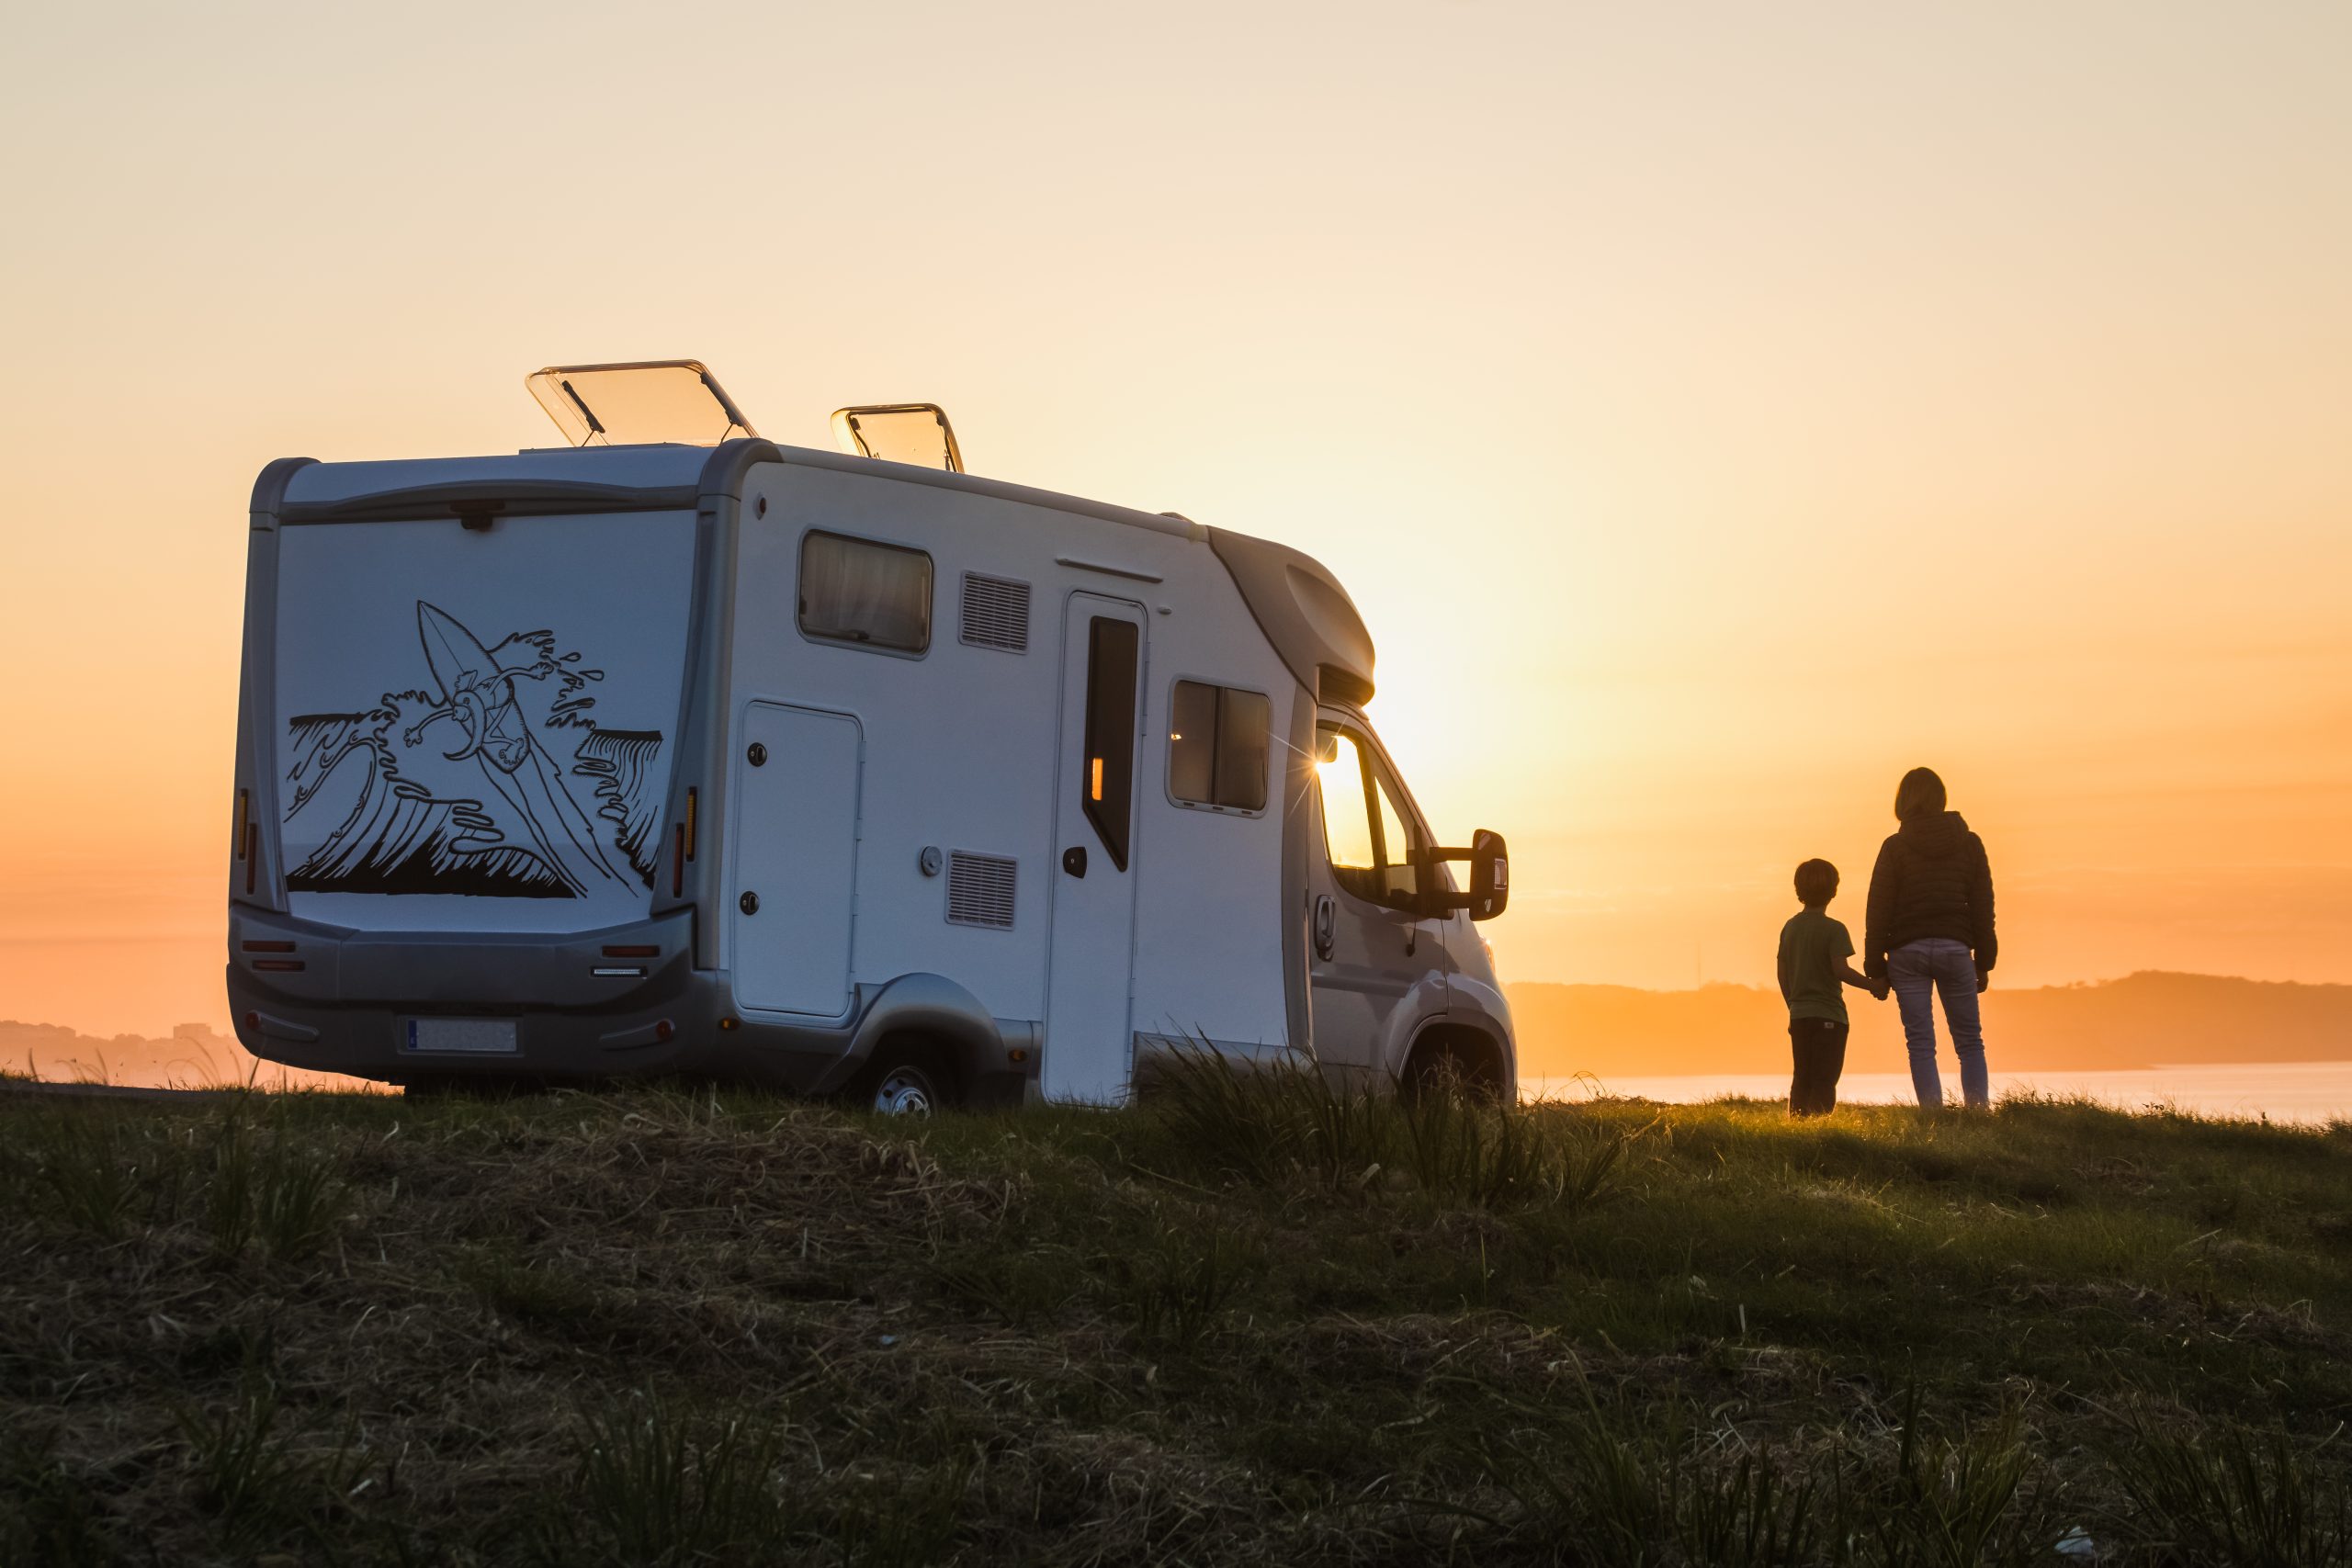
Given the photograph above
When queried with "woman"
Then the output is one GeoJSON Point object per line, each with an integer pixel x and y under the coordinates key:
{"type": "Point", "coordinates": [1929, 928]}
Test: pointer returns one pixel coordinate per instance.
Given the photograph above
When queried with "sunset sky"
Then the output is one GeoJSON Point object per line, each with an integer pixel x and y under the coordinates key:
{"type": "Point", "coordinates": [1714, 410]}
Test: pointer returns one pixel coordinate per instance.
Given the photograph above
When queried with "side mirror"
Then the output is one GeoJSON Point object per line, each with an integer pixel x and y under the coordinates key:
{"type": "Point", "coordinates": [1489, 893]}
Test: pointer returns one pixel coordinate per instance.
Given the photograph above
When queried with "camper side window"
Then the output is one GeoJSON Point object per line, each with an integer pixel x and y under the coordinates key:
{"type": "Point", "coordinates": [865, 593]}
{"type": "Point", "coordinates": [1217, 746]}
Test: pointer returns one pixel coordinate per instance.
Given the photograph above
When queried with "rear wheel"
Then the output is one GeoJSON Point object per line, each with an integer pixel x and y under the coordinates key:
{"type": "Point", "coordinates": [908, 1077]}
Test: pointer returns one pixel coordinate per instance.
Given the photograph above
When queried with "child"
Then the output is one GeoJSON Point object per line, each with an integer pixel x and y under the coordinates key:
{"type": "Point", "coordinates": [1813, 949]}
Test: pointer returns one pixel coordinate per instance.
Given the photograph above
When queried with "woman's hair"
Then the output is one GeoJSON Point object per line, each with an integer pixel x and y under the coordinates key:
{"type": "Point", "coordinates": [1919, 793]}
{"type": "Point", "coordinates": [1817, 882]}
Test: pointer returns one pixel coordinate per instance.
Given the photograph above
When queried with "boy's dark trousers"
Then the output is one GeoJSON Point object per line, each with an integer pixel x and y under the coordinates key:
{"type": "Point", "coordinates": [1819, 1046]}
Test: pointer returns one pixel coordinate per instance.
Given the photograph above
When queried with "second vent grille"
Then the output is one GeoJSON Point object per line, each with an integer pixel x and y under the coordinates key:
{"type": "Point", "coordinates": [996, 613]}
{"type": "Point", "coordinates": [979, 890]}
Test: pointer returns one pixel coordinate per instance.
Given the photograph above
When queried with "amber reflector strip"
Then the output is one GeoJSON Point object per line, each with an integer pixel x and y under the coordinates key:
{"type": "Point", "coordinates": [245, 806]}
{"type": "Point", "coordinates": [690, 826]}
{"type": "Point", "coordinates": [253, 859]}
{"type": "Point", "coordinates": [678, 865]}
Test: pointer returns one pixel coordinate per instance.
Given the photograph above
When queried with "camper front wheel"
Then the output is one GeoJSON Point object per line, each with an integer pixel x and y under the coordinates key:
{"type": "Point", "coordinates": [908, 1078]}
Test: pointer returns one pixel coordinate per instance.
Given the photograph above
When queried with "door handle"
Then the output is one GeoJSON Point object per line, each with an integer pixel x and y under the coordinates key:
{"type": "Point", "coordinates": [1074, 862]}
{"type": "Point", "coordinates": [1327, 926]}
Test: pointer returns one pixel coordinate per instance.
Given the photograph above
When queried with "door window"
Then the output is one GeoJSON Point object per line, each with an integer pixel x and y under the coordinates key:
{"type": "Point", "coordinates": [1366, 834]}
{"type": "Point", "coordinates": [1114, 650]}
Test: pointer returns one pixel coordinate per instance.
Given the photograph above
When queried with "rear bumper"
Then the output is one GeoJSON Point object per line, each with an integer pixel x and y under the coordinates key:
{"type": "Point", "coordinates": [347, 1007]}
{"type": "Point", "coordinates": [337, 1001]}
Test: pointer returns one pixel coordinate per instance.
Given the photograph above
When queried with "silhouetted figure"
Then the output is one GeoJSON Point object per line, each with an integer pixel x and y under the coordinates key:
{"type": "Point", "coordinates": [1813, 973]}
{"type": "Point", "coordinates": [1929, 929]}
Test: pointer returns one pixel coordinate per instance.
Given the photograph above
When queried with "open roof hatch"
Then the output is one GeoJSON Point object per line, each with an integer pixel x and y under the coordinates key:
{"type": "Point", "coordinates": [656, 400]}
{"type": "Point", "coordinates": [899, 433]}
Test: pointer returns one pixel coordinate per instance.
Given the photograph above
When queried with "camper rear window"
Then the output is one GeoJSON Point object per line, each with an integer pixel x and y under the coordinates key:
{"type": "Point", "coordinates": [861, 591]}
{"type": "Point", "coordinates": [1217, 746]}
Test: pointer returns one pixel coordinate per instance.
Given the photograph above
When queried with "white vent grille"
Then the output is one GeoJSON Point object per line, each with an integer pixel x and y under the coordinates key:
{"type": "Point", "coordinates": [996, 613]}
{"type": "Point", "coordinates": [979, 890]}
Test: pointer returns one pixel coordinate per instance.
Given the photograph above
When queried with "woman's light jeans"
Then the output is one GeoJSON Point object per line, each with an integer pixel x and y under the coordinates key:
{"type": "Point", "coordinates": [1938, 963]}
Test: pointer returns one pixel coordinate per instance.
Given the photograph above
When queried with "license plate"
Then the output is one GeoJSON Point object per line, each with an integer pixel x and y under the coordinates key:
{"type": "Point", "coordinates": [474, 1036]}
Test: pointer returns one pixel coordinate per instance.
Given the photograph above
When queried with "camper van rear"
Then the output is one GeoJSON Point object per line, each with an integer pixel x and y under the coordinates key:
{"type": "Point", "coordinates": [821, 770]}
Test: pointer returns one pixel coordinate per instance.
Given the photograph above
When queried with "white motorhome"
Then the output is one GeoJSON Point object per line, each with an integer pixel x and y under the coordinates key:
{"type": "Point", "coordinates": [676, 751]}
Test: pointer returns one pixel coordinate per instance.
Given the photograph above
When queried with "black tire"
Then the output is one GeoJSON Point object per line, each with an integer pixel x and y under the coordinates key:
{"type": "Point", "coordinates": [908, 1077]}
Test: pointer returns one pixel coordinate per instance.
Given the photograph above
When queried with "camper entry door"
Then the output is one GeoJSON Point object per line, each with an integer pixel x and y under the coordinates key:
{"type": "Point", "coordinates": [1089, 1048]}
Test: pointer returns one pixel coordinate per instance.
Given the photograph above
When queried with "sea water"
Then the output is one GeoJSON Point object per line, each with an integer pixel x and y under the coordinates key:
{"type": "Point", "coordinates": [2281, 1091]}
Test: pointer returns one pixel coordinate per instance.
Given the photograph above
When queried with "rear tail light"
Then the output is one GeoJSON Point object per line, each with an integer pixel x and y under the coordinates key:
{"type": "Point", "coordinates": [693, 801]}
{"type": "Point", "coordinates": [678, 865]}
{"type": "Point", "coordinates": [253, 859]}
{"type": "Point", "coordinates": [268, 947]}
{"type": "Point", "coordinates": [634, 951]}
{"type": "Point", "coordinates": [283, 964]}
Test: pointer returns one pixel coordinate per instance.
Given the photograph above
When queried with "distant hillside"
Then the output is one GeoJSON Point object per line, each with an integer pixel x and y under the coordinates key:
{"type": "Point", "coordinates": [2143, 1020]}
{"type": "Point", "coordinates": [194, 1056]}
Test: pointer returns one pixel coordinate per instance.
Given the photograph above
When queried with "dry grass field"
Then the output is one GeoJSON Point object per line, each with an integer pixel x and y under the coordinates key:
{"type": "Point", "coordinates": [1244, 1322]}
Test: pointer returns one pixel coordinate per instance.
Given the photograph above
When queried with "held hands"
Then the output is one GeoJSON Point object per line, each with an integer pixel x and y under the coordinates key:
{"type": "Point", "coordinates": [1880, 987]}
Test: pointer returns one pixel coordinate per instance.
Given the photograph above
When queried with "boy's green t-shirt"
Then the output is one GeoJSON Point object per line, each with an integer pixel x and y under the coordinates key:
{"type": "Point", "coordinates": [1811, 945]}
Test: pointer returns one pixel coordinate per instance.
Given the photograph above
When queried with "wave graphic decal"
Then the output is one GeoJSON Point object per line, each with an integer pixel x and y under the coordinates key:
{"type": "Point", "coordinates": [453, 788]}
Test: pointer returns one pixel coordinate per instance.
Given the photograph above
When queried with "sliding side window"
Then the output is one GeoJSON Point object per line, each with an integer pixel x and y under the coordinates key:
{"type": "Point", "coordinates": [1217, 746]}
{"type": "Point", "coordinates": [865, 592]}
{"type": "Point", "coordinates": [1113, 654]}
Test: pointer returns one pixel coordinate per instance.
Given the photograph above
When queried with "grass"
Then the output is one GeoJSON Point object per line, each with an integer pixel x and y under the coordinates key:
{"type": "Point", "coordinates": [1249, 1320]}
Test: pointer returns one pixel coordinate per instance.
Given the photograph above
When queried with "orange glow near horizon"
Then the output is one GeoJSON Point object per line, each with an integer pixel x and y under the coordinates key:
{"type": "Point", "coordinates": [1712, 414]}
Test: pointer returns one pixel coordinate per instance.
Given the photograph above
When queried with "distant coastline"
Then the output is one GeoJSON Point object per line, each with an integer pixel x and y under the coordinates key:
{"type": "Point", "coordinates": [194, 1056]}
{"type": "Point", "coordinates": [2148, 1019]}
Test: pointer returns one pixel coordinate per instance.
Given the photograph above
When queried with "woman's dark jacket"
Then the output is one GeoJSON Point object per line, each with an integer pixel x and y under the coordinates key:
{"type": "Point", "coordinates": [1933, 879]}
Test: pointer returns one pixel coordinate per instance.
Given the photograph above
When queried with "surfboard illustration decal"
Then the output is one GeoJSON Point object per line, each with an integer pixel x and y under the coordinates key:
{"type": "Point", "coordinates": [493, 780]}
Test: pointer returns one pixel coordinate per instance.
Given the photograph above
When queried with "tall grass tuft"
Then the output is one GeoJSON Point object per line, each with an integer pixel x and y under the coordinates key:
{"type": "Point", "coordinates": [266, 1189]}
{"type": "Point", "coordinates": [50, 1512]}
{"type": "Point", "coordinates": [1264, 1123]}
{"type": "Point", "coordinates": [1176, 1292]}
{"type": "Point", "coordinates": [656, 1482]}
{"type": "Point", "coordinates": [93, 1171]}
{"type": "Point", "coordinates": [1267, 1124]}
{"type": "Point", "coordinates": [251, 1476]}
{"type": "Point", "coordinates": [2240, 1497]}
{"type": "Point", "coordinates": [1957, 1503]}
{"type": "Point", "coordinates": [1605, 1491]}
{"type": "Point", "coordinates": [1602, 1496]}
{"type": "Point", "coordinates": [904, 1521]}
{"type": "Point", "coordinates": [1496, 1157]}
